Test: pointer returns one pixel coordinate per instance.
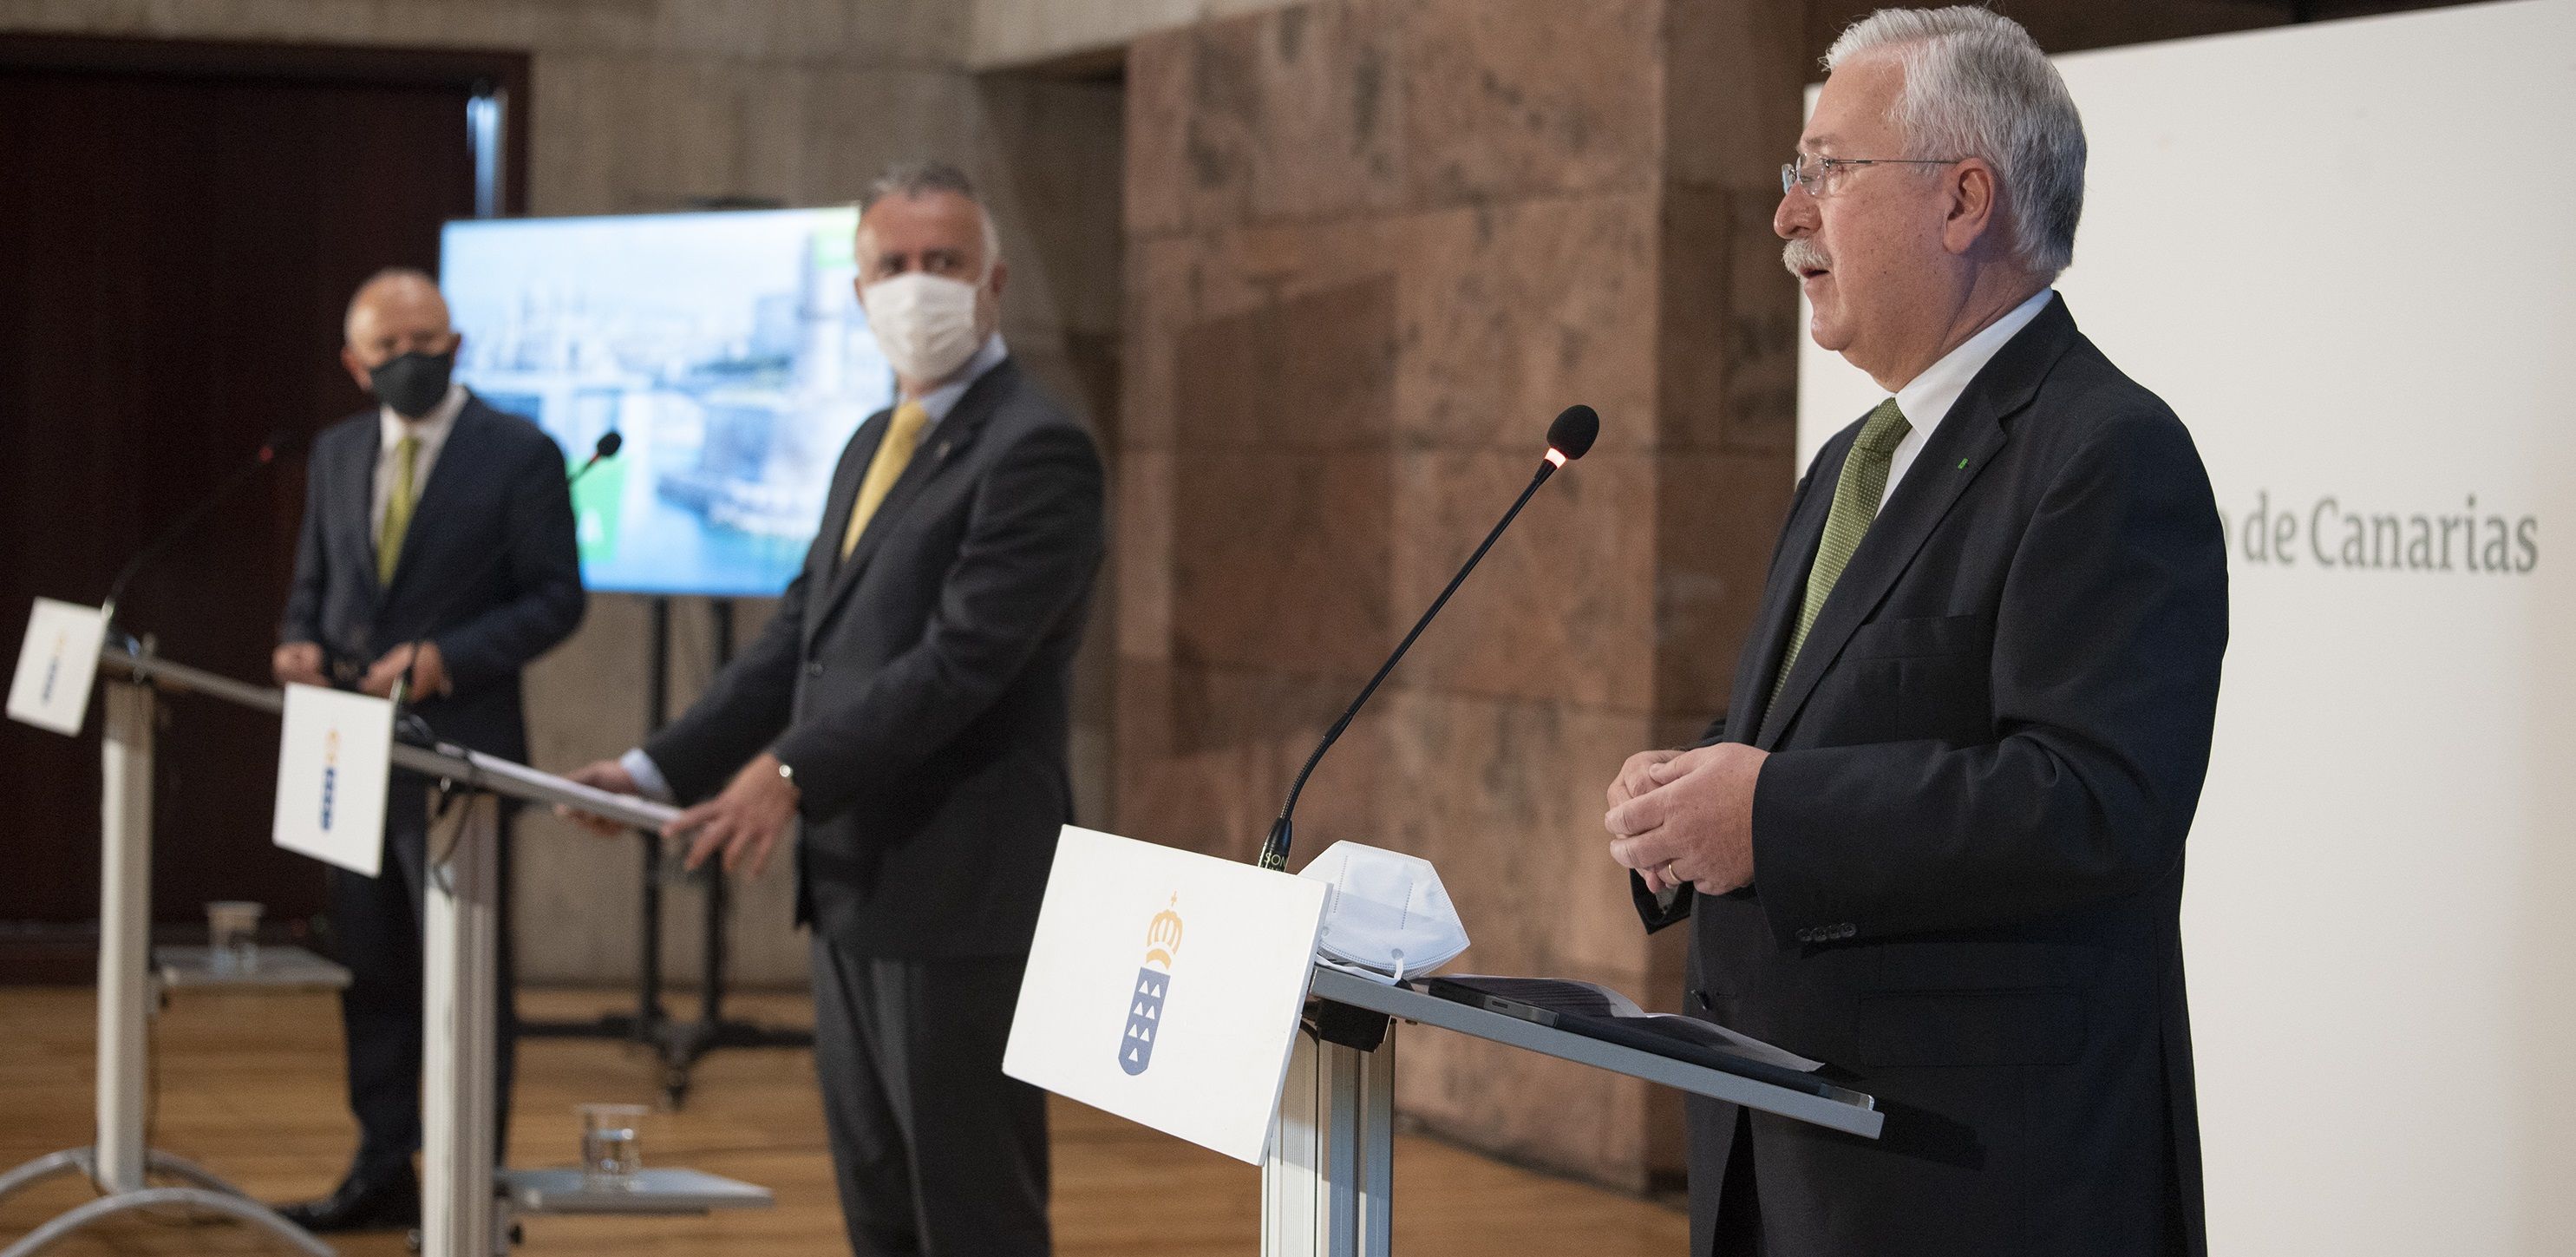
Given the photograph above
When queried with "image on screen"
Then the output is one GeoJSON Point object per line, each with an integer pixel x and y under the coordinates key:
{"type": "Point", "coordinates": [727, 349]}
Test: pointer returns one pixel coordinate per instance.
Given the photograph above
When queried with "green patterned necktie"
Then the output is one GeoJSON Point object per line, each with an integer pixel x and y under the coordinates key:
{"type": "Point", "coordinates": [1855, 505]}
{"type": "Point", "coordinates": [389, 539]}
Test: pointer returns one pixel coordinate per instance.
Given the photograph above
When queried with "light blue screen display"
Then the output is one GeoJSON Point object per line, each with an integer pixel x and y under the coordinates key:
{"type": "Point", "coordinates": [727, 349]}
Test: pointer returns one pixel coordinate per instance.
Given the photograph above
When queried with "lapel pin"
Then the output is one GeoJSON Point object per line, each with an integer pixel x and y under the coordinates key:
{"type": "Point", "coordinates": [1963, 464]}
{"type": "Point", "coordinates": [941, 454]}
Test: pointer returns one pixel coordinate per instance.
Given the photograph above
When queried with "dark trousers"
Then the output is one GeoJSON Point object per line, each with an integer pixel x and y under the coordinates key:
{"type": "Point", "coordinates": [938, 1154]}
{"type": "Point", "coordinates": [1739, 1209]}
{"type": "Point", "coordinates": [376, 926]}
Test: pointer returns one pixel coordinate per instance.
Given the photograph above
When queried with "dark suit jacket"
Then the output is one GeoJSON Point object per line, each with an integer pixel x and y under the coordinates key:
{"type": "Point", "coordinates": [1968, 839]}
{"type": "Point", "coordinates": [920, 688]}
{"type": "Point", "coordinates": [497, 492]}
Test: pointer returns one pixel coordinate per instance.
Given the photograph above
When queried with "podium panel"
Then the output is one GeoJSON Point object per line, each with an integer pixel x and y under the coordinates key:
{"type": "Point", "coordinates": [1164, 987]}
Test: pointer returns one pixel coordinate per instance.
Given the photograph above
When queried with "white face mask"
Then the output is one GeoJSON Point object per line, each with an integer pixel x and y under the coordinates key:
{"type": "Point", "coordinates": [925, 323]}
{"type": "Point", "coordinates": [1388, 915]}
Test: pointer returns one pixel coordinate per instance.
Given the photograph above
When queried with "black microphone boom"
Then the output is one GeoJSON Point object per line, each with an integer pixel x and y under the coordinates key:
{"type": "Point", "coordinates": [1568, 438]}
{"type": "Point", "coordinates": [277, 443]}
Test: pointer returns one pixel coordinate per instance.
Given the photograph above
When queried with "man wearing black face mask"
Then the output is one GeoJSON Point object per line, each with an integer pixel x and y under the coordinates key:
{"type": "Point", "coordinates": [438, 541]}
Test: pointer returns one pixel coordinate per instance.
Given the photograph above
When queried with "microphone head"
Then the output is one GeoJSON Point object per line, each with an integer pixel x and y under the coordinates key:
{"type": "Point", "coordinates": [1574, 431]}
{"type": "Point", "coordinates": [609, 442]}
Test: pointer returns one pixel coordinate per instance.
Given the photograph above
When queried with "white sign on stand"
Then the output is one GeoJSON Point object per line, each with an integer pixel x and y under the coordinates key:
{"type": "Point", "coordinates": [333, 760]}
{"type": "Point", "coordinates": [1165, 987]}
{"type": "Point", "coordinates": [55, 666]}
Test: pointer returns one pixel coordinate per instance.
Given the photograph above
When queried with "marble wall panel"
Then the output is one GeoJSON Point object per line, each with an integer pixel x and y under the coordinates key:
{"type": "Point", "coordinates": [1729, 332]}
{"type": "Point", "coordinates": [1295, 115]}
{"type": "Point", "coordinates": [1514, 311]}
{"type": "Point", "coordinates": [1561, 608]}
{"type": "Point", "coordinates": [1329, 139]}
{"type": "Point", "coordinates": [1206, 756]}
{"type": "Point", "coordinates": [1157, 180]}
{"type": "Point", "coordinates": [1282, 558]}
{"type": "Point", "coordinates": [1315, 371]}
{"type": "Point", "coordinates": [1142, 542]}
{"type": "Point", "coordinates": [1718, 518]}
{"type": "Point", "coordinates": [1734, 92]}
{"type": "Point", "coordinates": [1513, 98]}
{"type": "Point", "coordinates": [1505, 797]}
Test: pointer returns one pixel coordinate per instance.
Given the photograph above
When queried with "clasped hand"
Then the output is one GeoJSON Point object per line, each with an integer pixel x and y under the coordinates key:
{"type": "Point", "coordinates": [1681, 817]}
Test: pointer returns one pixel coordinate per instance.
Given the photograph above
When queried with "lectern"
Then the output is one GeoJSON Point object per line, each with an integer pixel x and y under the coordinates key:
{"type": "Point", "coordinates": [1180, 991]}
{"type": "Point", "coordinates": [464, 1198]}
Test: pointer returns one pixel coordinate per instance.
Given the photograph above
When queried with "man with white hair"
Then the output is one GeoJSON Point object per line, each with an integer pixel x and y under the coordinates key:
{"type": "Point", "coordinates": [1938, 837]}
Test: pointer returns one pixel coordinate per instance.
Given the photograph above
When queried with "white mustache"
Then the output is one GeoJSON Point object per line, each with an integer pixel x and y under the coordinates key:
{"type": "Point", "coordinates": [1801, 256]}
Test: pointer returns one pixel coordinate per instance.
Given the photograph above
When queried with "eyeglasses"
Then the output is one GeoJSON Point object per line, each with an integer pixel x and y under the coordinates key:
{"type": "Point", "coordinates": [1813, 173]}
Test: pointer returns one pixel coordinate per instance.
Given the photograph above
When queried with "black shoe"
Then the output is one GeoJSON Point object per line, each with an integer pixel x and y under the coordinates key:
{"type": "Point", "coordinates": [364, 1201]}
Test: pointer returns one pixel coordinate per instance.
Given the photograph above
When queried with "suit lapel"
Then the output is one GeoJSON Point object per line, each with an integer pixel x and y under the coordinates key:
{"type": "Point", "coordinates": [1778, 614]}
{"type": "Point", "coordinates": [354, 493]}
{"type": "Point", "coordinates": [940, 447]}
{"type": "Point", "coordinates": [1959, 449]}
{"type": "Point", "coordinates": [440, 496]}
{"type": "Point", "coordinates": [823, 568]}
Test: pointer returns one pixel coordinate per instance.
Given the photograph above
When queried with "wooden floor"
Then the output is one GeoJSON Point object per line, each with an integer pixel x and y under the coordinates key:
{"type": "Point", "coordinates": [249, 1086]}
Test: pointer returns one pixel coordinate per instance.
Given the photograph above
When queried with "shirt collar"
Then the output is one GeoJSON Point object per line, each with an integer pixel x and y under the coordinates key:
{"type": "Point", "coordinates": [1927, 399]}
{"type": "Point", "coordinates": [939, 401]}
{"type": "Point", "coordinates": [431, 428]}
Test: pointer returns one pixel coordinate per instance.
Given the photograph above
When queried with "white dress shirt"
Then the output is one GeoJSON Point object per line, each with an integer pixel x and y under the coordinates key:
{"type": "Point", "coordinates": [1926, 400]}
{"type": "Point", "coordinates": [936, 404]}
{"type": "Point", "coordinates": [431, 429]}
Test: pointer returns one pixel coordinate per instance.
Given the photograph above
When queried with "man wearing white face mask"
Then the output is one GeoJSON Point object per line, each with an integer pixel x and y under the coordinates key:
{"type": "Point", "coordinates": [909, 703]}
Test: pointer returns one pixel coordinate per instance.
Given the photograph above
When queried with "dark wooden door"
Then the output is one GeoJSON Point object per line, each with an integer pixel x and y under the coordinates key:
{"type": "Point", "coordinates": [181, 232]}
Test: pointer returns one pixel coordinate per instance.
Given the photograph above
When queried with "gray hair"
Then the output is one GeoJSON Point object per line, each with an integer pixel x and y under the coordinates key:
{"type": "Point", "coordinates": [1977, 85]}
{"type": "Point", "coordinates": [910, 179]}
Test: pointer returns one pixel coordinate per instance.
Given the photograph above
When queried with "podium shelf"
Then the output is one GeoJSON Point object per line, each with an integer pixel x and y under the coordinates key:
{"type": "Point", "coordinates": [280, 968]}
{"type": "Point", "coordinates": [562, 1191]}
{"type": "Point", "coordinates": [1849, 1111]}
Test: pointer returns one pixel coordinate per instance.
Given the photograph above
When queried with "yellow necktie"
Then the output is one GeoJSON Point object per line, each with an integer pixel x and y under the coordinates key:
{"type": "Point", "coordinates": [902, 436]}
{"type": "Point", "coordinates": [389, 538]}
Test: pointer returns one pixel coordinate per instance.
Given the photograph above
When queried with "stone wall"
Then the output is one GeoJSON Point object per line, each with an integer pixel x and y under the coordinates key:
{"type": "Point", "coordinates": [1373, 247]}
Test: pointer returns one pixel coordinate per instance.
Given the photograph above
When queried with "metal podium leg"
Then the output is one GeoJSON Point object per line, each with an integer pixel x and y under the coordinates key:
{"type": "Point", "coordinates": [124, 933]}
{"type": "Point", "coordinates": [1328, 1187]}
{"type": "Point", "coordinates": [461, 931]}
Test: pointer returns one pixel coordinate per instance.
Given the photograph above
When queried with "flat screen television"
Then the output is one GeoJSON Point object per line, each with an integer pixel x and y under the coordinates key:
{"type": "Point", "coordinates": [727, 349]}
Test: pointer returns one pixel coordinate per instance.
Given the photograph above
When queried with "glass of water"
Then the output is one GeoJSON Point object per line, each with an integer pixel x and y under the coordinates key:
{"type": "Point", "coordinates": [612, 1149]}
{"type": "Point", "coordinates": [232, 936]}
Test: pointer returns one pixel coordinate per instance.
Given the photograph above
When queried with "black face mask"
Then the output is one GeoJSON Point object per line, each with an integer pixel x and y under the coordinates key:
{"type": "Point", "coordinates": [413, 383]}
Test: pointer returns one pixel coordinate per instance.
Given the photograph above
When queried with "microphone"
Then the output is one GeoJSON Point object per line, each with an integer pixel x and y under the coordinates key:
{"type": "Point", "coordinates": [609, 443]}
{"type": "Point", "coordinates": [1568, 438]}
{"type": "Point", "coordinates": [276, 443]}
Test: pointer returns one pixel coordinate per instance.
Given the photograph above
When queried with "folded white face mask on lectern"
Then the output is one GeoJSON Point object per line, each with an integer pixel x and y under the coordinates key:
{"type": "Point", "coordinates": [1387, 916]}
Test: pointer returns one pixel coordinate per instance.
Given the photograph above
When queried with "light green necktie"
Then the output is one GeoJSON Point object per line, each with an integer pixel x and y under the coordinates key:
{"type": "Point", "coordinates": [1855, 505]}
{"type": "Point", "coordinates": [389, 538]}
